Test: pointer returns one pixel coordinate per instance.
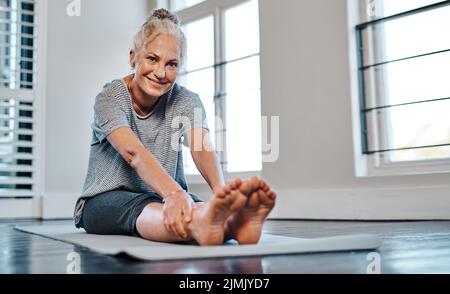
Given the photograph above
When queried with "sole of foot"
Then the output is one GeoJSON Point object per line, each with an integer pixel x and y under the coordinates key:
{"type": "Point", "coordinates": [208, 223]}
{"type": "Point", "coordinates": [246, 225]}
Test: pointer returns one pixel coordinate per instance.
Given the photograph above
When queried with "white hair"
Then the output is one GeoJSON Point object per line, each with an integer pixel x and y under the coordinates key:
{"type": "Point", "coordinates": [161, 21]}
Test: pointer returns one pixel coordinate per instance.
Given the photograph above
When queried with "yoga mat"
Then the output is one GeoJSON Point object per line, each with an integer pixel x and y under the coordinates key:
{"type": "Point", "coordinates": [148, 250]}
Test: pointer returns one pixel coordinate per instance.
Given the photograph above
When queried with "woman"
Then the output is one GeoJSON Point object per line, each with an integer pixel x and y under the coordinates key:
{"type": "Point", "coordinates": [135, 183]}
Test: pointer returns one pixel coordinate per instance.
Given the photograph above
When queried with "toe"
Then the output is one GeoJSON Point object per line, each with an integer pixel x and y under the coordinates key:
{"type": "Point", "coordinates": [262, 195]}
{"type": "Point", "coordinates": [272, 195]}
{"type": "Point", "coordinates": [220, 193]}
{"type": "Point", "coordinates": [245, 188]}
{"type": "Point", "coordinates": [235, 183]}
{"type": "Point", "coordinates": [254, 181]}
{"type": "Point", "coordinates": [238, 201]}
{"type": "Point", "coordinates": [269, 199]}
{"type": "Point", "coordinates": [253, 201]}
{"type": "Point", "coordinates": [265, 186]}
{"type": "Point", "coordinates": [227, 189]}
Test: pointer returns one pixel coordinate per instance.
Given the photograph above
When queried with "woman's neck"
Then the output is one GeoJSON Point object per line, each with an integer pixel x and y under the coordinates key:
{"type": "Point", "coordinates": [142, 103]}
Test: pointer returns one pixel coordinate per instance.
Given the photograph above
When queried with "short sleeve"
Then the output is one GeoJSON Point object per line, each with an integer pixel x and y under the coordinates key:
{"type": "Point", "coordinates": [194, 112]}
{"type": "Point", "coordinates": [108, 116]}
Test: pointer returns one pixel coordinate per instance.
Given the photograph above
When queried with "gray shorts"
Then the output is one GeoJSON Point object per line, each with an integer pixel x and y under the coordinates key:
{"type": "Point", "coordinates": [115, 212]}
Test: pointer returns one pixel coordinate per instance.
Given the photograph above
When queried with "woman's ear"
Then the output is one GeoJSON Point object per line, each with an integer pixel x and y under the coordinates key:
{"type": "Point", "coordinates": [132, 58]}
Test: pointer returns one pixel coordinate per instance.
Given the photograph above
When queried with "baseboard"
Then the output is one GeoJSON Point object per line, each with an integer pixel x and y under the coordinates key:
{"type": "Point", "coordinates": [17, 208]}
{"type": "Point", "coordinates": [422, 203]}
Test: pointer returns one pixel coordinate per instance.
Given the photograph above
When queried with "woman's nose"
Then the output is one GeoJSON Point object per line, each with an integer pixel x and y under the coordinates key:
{"type": "Point", "coordinates": [160, 71]}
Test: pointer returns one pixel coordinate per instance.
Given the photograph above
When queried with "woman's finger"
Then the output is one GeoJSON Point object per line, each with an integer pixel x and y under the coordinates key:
{"type": "Point", "coordinates": [179, 226]}
{"type": "Point", "coordinates": [172, 228]}
{"type": "Point", "coordinates": [175, 227]}
{"type": "Point", "coordinates": [167, 222]}
{"type": "Point", "coordinates": [187, 213]}
{"type": "Point", "coordinates": [166, 225]}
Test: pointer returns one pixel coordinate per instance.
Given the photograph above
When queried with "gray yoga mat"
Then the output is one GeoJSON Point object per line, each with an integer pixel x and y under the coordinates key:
{"type": "Point", "coordinates": [147, 250]}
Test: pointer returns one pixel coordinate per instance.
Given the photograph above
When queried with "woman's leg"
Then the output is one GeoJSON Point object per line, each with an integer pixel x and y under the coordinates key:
{"type": "Point", "coordinates": [238, 212]}
{"type": "Point", "coordinates": [208, 222]}
{"type": "Point", "coordinates": [114, 212]}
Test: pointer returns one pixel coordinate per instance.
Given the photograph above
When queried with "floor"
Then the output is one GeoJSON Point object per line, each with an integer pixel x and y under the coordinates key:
{"type": "Point", "coordinates": [408, 247]}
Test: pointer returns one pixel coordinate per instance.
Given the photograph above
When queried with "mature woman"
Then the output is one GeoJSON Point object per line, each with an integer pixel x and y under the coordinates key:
{"type": "Point", "coordinates": [135, 183]}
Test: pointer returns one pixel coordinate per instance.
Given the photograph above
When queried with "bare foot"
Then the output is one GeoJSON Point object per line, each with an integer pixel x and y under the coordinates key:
{"type": "Point", "coordinates": [208, 223]}
{"type": "Point", "coordinates": [246, 225]}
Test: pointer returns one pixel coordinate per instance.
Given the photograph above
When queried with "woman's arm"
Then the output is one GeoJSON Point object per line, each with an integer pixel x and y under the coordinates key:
{"type": "Point", "coordinates": [143, 161]}
{"type": "Point", "coordinates": [205, 158]}
{"type": "Point", "coordinates": [178, 203]}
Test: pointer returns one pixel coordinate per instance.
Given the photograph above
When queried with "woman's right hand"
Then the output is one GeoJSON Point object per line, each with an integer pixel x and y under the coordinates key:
{"type": "Point", "coordinates": [177, 212]}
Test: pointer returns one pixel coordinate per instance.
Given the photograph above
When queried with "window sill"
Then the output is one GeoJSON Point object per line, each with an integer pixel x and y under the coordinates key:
{"type": "Point", "coordinates": [436, 166]}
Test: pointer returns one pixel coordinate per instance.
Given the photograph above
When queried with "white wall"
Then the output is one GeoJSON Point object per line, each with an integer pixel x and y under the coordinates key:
{"type": "Point", "coordinates": [84, 52]}
{"type": "Point", "coordinates": [305, 76]}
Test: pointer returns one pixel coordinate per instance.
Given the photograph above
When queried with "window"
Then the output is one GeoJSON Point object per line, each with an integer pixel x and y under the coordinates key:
{"type": "Point", "coordinates": [404, 65]}
{"type": "Point", "coordinates": [177, 5]}
{"type": "Point", "coordinates": [17, 92]}
{"type": "Point", "coordinates": [223, 68]}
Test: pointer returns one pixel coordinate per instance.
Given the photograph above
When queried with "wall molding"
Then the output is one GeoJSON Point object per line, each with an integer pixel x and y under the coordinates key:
{"type": "Point", "coordinates": [17, 208]}
{"type": "Point", "coordinates": [421, 203]}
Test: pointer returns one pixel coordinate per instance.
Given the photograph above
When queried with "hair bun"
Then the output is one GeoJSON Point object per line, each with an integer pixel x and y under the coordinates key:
{"type": "Point", "coordinates": [163, 13]}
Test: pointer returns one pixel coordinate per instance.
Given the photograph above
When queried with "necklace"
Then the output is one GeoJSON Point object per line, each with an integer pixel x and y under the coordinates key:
{"type": "Point", "coordinates": [139, 112]}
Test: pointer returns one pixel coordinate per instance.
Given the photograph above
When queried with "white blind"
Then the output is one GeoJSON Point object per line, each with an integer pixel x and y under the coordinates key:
{"type": "Point", "coordinates": [17, 92]}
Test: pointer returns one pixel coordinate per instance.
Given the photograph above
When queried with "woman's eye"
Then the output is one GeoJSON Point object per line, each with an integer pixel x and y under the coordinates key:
{"type": "Point", "coordinates": [174, 65]}
{"type": "Point", "coordinates": [151, 58]}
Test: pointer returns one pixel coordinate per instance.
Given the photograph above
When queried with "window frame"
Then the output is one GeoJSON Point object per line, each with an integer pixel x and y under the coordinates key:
{"type": "Point", "coordinates": [378, 164]}
{"type": "Point", "coordinates": [215, 8]}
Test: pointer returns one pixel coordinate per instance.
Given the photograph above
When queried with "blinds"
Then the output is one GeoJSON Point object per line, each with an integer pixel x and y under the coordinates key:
{"type": "Point", "coordinates": [17, 92]}
{"type": "Point", "coordinates": [403, 59]}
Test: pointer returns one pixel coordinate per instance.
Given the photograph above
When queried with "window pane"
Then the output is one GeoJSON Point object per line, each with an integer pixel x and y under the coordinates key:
{"type": "Point", "coordinates": [200, 54]}
{"type": "Point", "coordinates": [411, 80]}
{"type": "Point", "coordinates": [391, 7]}
{"type": "Point", "coordinates": [412, 35]}
{"type": "Point", "coordinates": [244, 132]}
{"type": "Point", "coordinates": [418, 34]}
{"type": "Point", "coordinates": [176, 5]}
{"type": "Point", "coordinates": [188, 163]}
{"type": "Point", "coordinates": [243, 75]}
{"type": "Point", "coordinates": [202, 83]}
{"type": "Point", "coordinates": [419, 79]}
{"type": "Point", "coordinates": [243, 108]}
{"type": "Point", "coordinates": [416, 125]}
{"type": "Point", "coordinates": [200, 43]}
{"type": "Point", "coordinates": [242, 30]}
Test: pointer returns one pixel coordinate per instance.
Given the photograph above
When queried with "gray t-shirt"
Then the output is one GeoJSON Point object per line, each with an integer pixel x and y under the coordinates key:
{"type": "Point", "coordinates": [161, 132]}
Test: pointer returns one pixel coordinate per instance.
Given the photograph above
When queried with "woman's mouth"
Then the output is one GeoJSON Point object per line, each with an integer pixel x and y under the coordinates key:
{"type": "Point", "coordinates": [155, 83]}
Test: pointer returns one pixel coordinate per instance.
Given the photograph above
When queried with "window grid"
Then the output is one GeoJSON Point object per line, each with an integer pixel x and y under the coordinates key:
{"type": "Point", "coordinates": [363, 83]}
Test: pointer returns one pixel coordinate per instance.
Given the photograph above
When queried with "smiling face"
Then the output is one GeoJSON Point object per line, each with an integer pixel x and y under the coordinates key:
{"type": "Point", "coordinates": [156, 66]}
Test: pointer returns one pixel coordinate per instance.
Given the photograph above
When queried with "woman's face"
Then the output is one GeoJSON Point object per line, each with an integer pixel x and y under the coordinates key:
{"type": "Point", "coordinates": [157, 65]}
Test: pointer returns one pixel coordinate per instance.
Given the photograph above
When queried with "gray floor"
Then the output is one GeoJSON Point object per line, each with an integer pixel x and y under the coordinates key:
{"type": "Point", "coordinates": [408, 247]}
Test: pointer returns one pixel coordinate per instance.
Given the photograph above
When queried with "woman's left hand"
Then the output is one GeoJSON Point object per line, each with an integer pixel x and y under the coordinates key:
{"type": "Point", "coordinates": [177, 211]}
